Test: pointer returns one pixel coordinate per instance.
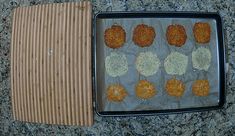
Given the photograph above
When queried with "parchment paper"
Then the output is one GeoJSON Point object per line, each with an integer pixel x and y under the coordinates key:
{"type": "Point", "coordinates": [160, 46]}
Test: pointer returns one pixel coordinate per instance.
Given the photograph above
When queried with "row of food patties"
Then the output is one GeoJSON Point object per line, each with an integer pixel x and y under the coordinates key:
{"type": "Point", "coordinates": [143, 35]}
{"type": "Point", "coordinates": [148, 63]}
{"type": "Point", "coordinates": [146, 90]}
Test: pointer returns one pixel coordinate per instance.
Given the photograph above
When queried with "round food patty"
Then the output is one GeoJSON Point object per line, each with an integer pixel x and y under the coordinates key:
{"type": "Point", "coordinates": [202, 32]}
{"type": "Point", "coordinates": [176, 35]}
{"type": "Point", "coordinates": [143, 35]}
{"type": "Point", "coordinates": [116, 64]}
{"type": "Point", "coordinates": [116, 93]}
{"type": "Point", "coordinates": [147, 63]}
{"type": "Point", "coordinates": [115, 37]}
{"type": "Point", "coordinates": [201, 58]}
{"type": "Point", "coordinates": [145, 90]}
{"type": "Point", "coordinates": [201, 88]}
{"type": "Point", "coordinates": [176, 63]}
{"type": "Point", "coordinates": [175, 87]}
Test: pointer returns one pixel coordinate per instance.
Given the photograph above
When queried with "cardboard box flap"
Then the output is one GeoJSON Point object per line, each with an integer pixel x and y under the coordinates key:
{"type": "Point", "coordinates": [51, 77]}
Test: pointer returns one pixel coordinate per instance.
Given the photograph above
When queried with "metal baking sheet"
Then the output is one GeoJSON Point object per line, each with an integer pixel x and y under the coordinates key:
{"type": "Point", "coordinates": [161, 103]}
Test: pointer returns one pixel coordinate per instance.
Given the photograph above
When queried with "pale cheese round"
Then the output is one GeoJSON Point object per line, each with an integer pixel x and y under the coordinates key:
{"type": "Point", "coordinates": [147, 63]}
{"type": "Point", "coordinates": [116, 64]}
{"type": "Point", "coordinates": [176, 63]}
{"type": "Point", "coordinates": [201, 58]}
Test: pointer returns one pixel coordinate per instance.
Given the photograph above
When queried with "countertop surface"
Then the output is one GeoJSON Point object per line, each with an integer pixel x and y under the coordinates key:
{"type": "Point", "coordinates": [219, 122]}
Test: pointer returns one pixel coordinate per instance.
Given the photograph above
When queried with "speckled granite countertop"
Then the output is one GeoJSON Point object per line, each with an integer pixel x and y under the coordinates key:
{"type": "Point", "coordinates": [220, 122]}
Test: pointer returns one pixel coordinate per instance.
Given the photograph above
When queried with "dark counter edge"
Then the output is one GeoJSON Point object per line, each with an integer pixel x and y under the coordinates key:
{"type": "Point", "coordinates": [222, 75]}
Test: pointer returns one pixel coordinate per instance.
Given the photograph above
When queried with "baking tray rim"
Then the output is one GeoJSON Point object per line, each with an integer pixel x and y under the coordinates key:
{"type": "Point", "coordinates": [156, 14]}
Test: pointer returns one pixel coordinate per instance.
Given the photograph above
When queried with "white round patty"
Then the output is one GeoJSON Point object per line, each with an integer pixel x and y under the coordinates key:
{"type": "Point", "coordinates": [201, 58]}
{"type": "Point", "coordinates": [147, 63]}
{"type": "Point", "coordinates": [116, 64]}
{"type": "Point", "coordinates": [176, 63]}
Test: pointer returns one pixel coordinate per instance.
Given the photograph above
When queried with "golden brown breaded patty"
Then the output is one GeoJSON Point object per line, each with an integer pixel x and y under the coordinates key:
{"type": "Point", "coordinates": [143, 35]}
{"type": "Point", "coordinates": [115, 37]}
{"type": "Point", "coordinates": [201, 88]}
{"type": "Point", "coordinates": [116, 93]}
{"type": "Point", "coordinates": [202, 32]}
{"type": "Point", "coordinates": [144, 89]}
{"type": "Point", "coordinates": [175, 87]}
{"type": "Point", "coordinates": [176, 35]}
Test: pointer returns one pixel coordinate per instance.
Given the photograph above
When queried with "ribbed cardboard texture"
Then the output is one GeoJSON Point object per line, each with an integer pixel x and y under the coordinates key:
{"type": "Point", "coordinates": [51, 77]}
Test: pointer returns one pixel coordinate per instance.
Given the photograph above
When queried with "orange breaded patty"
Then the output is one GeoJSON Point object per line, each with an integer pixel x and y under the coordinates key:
{"type": "Point", "coordinates": [175, 87]}
{"type": "Point", "coordinates": [176, 35]}
{"type": "Point", "coordinates": [143, 35]}
{"type": "Point", "coordinates": [115, 37]}
{"type": "Point", "coordinates": [201, 88]}
{"type": "Point", "coordinates": [116, 93]}
{"type": "Point", "coordinates": [144, 89]}
{"type": "Point", "coordinates": [202, 32]}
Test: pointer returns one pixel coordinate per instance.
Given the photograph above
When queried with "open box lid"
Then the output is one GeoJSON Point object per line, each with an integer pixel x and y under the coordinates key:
{"type": "Point", "coordinates": [51, 74]}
